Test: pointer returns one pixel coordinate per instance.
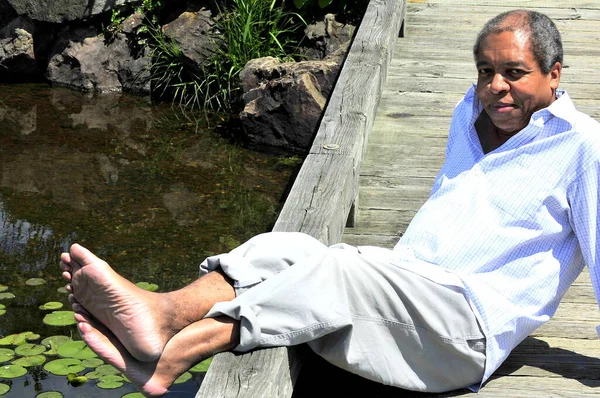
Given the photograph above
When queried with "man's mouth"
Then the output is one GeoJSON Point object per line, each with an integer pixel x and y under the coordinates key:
{"type": "Point", "coordinates": [501, 107]}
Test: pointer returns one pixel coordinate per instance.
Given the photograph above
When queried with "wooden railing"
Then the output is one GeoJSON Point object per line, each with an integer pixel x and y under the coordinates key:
{"type": "Point", "coordinates": [324, 195]}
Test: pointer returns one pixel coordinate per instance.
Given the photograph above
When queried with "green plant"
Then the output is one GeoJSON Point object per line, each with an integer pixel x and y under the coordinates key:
{"type": "Point", "coordinates": [248, 29]}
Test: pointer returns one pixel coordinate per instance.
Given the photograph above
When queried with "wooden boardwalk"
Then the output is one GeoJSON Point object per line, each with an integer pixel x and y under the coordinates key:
{"type": "Point", "coordinates": [378, 148]}
{"type": "Point", "coordinates": [432, 67]}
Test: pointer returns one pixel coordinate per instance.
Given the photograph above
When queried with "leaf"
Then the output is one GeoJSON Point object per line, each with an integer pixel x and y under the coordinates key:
{"type": "Point", "coordinates": [29, 349]}
{"type": "Point", "coordinates": [6, 296]}
{"type": "Point", "coordinates": [183, 378]}
{"type": "Point", "coordinates": [151, 287]}
{"type": "Point", "coordinates": [6, 354]}
{"type": "Point", "coordinates": [76, 380]}
{"type": "Point", "coordinates": [64, 366]}
{"type": "Point", "coordinates": [35, 282]}
{"type": "Point", "coordinates": [103, 371]}
{"type": "Point", "coordinates": [4, 388]}
{"type": "Point", "coordinates": [50, 394]}
{"type": "Point", "coordinates": [12, 371]}
{"type": "Point", "coordinates": [76, 349]}
{"type": "Point", "coordinates": [3, 288]}
{"type": "Point", "coordinates": [202, 366]}
{"type": "Point", "coordinates": [53, 342]}
{"type": "Point", "coordinates": [51, 305]}
{"type": "Point", "coordinates": [2, 309]}
{"type": "Point", "coordinates": [92, 362]}
{"type": "Point", "coordinates": [62, 290]}
{"type": "Point", "coordinates": [16, 339]}
{"type": "Point", "coordinates": [30, 361]}
{"type": "Point", "coordinates": [60, 318]}
{"type": "Point", "coordinates": [324, 3]}
{"type": "Point", "coordinates": [133, 395]}
{"type": "Point", "coordinates": [110, 382]}
{"type": "Point", "coordinates": [300, 3]}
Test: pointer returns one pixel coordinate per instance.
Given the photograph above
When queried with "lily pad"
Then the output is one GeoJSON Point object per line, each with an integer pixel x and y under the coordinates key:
{"type": "Point", "coordinates": [2, 309]}
{"type": "Point", "coordinates": [183, 378]}
{"type": "Point", "coordinates": [76, 349]}
{"type": "Point", "coordinates": [35, 282]}
{"type": "Point", "coordinates": [64, 366]}
{"type": "Point", "coordinates": [51, 305]}
{"type": "Point", "coordinates": [3, 288]}
{"type": "Point", "coordinates": [62, 290]}
{"type": "Point", "coordinates": [32, 336]}
{"type": "Point", "coordinates": [16, 339]}
{"type": "Point", "coordinates": [92, 362]}
{"type": "Point", "coordinates": [133, 395]}
{"type": "Point", "coordinates": [29, 349]}
{"type": "Point", "coordinates": [202, 366]}
{"type": "Point", "coordinates": [4, 388]}
{"type": "Point", "coordinates": [6, 296]}
{"type": "Point", "coordinates": [102, 371]}
{"type": "Point", "coordinates": [151, 287]}
{"type": "Point", "coordinates": [110, 382]}
{"type": "Point", "coordinates": [12, 371]}
{"type": "Point", "coordinates": [30, 361]}
{"type": "Point", "coordinates": [6, 354]}
{"type": "Point", "coordinates": [60, 318]}
{"type": "Point", "coordinates": [53, 342]}
{"type": "Point", "coordinates": [76, 380]}
{"type": "Point", "coordinates": [50, 394]}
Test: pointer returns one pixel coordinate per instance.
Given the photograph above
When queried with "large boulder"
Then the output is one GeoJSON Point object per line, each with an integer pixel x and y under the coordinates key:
{"type": "Point", "coordinates": [17, 56]}
{"type": "Point", "coordinates": [284, 101]}
{"type": "Point", "coordinates": [193, 32]}
{"type": "Point", "coordinates": [88, 62]}
{"type": "Point", "coordinates": [58, 11]}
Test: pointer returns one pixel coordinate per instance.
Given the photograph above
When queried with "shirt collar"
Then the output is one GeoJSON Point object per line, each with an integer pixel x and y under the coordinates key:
{"type": "Point", "coordinates": [562, 108]}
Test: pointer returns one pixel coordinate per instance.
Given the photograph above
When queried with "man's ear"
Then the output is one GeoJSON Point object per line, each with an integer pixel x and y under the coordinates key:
{"type": "Point", "coordinates": [555, 75]}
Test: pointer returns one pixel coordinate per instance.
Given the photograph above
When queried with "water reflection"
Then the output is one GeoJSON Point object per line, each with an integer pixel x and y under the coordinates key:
{"type": "Point", "coordinates": [152, 192]}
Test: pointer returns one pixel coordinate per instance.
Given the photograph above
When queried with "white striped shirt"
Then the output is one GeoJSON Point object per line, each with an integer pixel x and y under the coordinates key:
{"type": "Point", "coordinates": [514, 226]}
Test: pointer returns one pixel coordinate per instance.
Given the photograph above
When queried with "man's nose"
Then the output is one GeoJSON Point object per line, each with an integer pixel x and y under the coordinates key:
{"type": "Point", "coordinates": [499, 84]}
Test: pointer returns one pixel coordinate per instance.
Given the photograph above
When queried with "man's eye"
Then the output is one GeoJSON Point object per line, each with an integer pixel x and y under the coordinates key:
{"type": "Point", "coordinates": [484, 71]}
{"type": "Point", "coordinates": [516, 72]}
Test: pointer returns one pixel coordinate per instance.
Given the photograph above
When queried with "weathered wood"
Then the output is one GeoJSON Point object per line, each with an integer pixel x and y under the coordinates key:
{"type": "Point", "coordinates": [322, 195]}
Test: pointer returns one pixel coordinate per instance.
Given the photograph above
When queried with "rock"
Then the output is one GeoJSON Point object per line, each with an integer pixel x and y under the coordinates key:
{"type": "Point", "coordinates": [284, 101]}
{"type": "Point", "coordinates": [192, 32]}
{"type": "Point", "coordinates": [327, 37]}
{"type": "Point", "coordinates": [7, 13]}
{"type": "Point", "coordinates": [89, 63]}
{"type": "Point", "coordinates": [58, 11]}
{"type": "Point", "coordinates": [17, 57]}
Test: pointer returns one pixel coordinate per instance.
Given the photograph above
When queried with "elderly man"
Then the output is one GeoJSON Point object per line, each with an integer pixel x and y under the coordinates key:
{"type": "Point", "coordinates": [509, 225]}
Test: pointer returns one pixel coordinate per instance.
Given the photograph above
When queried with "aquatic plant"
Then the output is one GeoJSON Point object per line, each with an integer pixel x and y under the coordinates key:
{"type": "Point", "coordinates": [247, 29]}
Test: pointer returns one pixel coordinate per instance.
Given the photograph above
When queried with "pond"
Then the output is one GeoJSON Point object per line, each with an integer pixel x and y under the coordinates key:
{"type": "Point", "coordinates": [150, 190]}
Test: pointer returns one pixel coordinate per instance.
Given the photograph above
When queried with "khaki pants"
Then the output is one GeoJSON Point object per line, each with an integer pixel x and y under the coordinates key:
{"type": "Point", "coordinates": [354, 308]}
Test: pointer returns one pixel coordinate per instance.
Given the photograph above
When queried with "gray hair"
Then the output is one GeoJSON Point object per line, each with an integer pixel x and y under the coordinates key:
{"type": "Point", "coordinates": [544, 37]}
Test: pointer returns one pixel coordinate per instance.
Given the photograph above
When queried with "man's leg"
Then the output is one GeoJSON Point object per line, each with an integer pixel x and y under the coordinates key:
{"type": "Point", "coordinates": [144, 321]}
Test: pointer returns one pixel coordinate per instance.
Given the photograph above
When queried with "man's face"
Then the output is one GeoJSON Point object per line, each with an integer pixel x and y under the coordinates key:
{"type": "Point", "coordinates": [510, 84]}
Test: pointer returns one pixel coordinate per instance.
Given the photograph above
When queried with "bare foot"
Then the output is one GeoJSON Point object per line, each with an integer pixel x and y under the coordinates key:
{"type": "Point", "coordinates": [141, 320]}
{"type": "Point", "coordinates": [188, 347]}
{"type": "Point", "coordinates": [144, 375]}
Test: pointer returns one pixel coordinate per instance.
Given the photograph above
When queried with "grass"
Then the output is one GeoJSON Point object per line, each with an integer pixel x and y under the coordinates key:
{"type": "Point", "coordinates": [245, 30]}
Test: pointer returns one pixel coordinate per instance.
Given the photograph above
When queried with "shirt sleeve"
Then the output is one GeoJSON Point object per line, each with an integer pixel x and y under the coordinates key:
{"type": "Point", "coordinates": [584, 202]}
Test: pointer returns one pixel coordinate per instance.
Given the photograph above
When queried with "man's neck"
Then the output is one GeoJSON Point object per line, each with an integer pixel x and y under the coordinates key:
{"type": "Point", "coordinates": [490, 137]}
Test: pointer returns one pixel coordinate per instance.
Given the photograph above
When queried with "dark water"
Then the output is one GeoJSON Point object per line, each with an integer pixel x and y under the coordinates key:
{"type": "Point", "coordinates": [149, 190]}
